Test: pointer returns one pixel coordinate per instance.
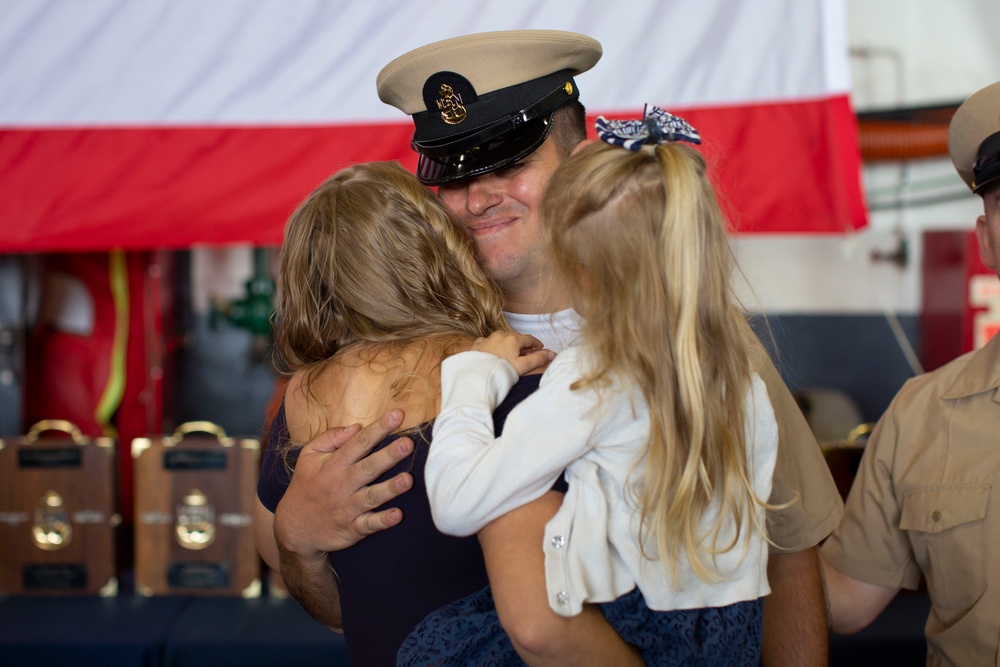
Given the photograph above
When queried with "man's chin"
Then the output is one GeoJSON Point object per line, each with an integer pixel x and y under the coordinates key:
{"type": "Point", "coordinates": [502, 271]}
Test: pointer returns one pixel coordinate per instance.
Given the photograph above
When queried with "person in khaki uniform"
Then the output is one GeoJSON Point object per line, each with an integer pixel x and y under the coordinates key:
{"type": "Point", "coordinates": [923, 501]}
{"type": "Point", "coordinates": [494, 117]}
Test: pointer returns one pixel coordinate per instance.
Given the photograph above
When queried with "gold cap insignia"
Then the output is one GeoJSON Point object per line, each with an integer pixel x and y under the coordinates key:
{"type": "Point", "coordinates": [452, 110]}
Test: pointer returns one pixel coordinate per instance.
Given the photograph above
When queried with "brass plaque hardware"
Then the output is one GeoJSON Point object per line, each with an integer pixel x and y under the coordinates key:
{"type": "Point", "coordinates": [195, 528]}
{"type": "Point", "coordinates": [51, 529]}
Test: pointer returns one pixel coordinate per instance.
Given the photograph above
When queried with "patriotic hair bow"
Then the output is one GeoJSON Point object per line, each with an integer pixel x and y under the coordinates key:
{"type": "Point", "coordinates": [656, 127]}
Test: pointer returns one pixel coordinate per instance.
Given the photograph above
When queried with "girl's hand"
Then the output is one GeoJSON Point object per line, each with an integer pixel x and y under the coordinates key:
{"type": "Point", "coordinates": [523, 351]}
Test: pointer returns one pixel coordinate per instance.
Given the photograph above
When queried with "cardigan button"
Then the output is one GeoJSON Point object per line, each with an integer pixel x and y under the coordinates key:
{"type": "Point", "coordinates": [562, 598]}
{"type": "Point", "coordinates": [558, 542]}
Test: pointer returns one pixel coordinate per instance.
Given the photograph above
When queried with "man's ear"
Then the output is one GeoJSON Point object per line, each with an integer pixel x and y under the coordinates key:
{"type": "Point", "coordinates": [580, 146]}
{"type": "Point", "coordinates": [987, 253]}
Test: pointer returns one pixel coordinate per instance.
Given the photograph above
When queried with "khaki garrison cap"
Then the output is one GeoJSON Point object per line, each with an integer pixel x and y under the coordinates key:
{"type": "Point", "coordinates": [974, 139]}
{"type": "Point", "coordinates": [482, 102]}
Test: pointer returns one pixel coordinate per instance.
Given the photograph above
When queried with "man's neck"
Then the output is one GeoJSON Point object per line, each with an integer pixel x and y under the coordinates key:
{"type": "Point", "coordinates": [535, 301]}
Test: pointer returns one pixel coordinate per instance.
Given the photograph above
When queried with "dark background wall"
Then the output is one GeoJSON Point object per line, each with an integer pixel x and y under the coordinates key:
{"type": "Point", "coordinates": [221, 379]}
{"type": "Point", "coordinates": [856, 354]}
{"type": "Point", "coordinates": [219, 370]}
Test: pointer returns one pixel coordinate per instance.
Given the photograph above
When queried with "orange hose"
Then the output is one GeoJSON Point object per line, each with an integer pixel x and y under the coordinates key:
{"type": "Point", "coordinates": [895, 140]}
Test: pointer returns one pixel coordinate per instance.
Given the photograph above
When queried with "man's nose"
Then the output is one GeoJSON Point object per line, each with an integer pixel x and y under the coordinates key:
{"type": "Point", "coordinates": [480, 196]}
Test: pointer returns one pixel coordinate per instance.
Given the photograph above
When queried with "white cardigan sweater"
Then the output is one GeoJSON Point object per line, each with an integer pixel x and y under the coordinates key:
{"type": "Point", "coordinates": [591, 546]}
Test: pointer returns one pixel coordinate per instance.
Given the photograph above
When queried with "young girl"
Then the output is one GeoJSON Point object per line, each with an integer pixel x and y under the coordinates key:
{"type": "Point", "coordinates": [656, 417]}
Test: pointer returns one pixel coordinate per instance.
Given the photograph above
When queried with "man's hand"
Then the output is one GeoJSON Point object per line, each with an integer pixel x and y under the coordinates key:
{"type": "Point", "coordinates": [526, 353]}
{"type": "Point", "coordinates": [328, 507]}
{"type": "Point", "coordinates": [328, 504]}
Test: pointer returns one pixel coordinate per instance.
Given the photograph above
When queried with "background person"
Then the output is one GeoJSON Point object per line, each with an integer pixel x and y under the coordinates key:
{"type": "Point", "coordinates": [922, 503]}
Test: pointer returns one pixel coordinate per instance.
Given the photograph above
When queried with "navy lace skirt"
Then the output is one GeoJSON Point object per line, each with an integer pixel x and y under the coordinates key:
{"type": "Point", "coordinates": [468, 632]}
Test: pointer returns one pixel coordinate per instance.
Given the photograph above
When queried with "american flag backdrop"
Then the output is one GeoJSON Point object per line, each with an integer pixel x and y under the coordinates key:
{"type": "Point", "coordinates": [171, 123]}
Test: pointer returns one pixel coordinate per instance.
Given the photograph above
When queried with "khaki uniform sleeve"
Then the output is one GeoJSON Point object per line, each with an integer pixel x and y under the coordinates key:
{"type": "Point", "coordinates": [869, 545]}
{"type": "Point", "coordinates": [802, 478]}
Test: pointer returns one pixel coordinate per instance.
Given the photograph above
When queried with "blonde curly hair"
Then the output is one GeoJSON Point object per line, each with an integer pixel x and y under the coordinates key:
{"type": "Point", "coordinates": [372, 256]}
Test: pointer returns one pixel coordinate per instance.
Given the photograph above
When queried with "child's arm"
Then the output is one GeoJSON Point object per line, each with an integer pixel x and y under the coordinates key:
{"type": "Point", "coordinates": [525, 353]}
{"type": "Point", "coordinates": [473, 477]}
{"type": "Point", "coordinates": [515, 564]}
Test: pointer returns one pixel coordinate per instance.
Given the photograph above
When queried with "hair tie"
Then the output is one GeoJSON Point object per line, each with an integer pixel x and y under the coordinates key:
{"type": "Point", "coordinates": [656, 127]}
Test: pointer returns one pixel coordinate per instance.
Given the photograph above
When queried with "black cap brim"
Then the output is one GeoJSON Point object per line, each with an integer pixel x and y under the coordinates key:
{"type": "Point", "coordinates": [492, 155]}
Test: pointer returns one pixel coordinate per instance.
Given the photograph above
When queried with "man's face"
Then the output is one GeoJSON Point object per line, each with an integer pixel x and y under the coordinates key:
{"type": "Point", "coordinates": [500, 210]}
{"type": "Point", "coordinates": [988, 230]}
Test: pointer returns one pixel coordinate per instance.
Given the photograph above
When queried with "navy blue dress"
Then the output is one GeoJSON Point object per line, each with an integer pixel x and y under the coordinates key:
{"type": "Point", "coordinates": [468, 632]}
{"type": "Point", "coordinates": [391, 580]}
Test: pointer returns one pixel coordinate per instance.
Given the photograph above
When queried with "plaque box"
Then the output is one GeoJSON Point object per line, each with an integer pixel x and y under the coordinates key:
{"type": "Point", "coordinates": [194, 497]}
{"type": "Point", "coordinates": [57, 512]}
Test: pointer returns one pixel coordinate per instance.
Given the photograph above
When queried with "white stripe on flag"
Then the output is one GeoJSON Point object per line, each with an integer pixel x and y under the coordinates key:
{"type": "Point", "coordinates": [178, 62]}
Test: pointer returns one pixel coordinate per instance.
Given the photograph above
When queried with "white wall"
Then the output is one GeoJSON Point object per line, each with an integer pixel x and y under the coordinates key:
{"type": "Point", "coordinates": [905, 53]}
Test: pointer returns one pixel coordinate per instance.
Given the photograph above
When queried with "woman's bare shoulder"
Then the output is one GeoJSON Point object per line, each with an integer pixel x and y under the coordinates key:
{"type": "Point", "coordinates": [360, 384]}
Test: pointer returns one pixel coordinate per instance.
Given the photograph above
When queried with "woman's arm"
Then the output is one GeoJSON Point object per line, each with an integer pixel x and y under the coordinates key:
{"type": "Point", "coordinates": [512, 549]}
{"type": "Point", "coordinates": [263, 535]}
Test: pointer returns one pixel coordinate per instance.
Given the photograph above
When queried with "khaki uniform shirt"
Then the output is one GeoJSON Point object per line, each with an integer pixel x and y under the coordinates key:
{"type": "Point", "coordinates": [922, 503]}
{"type": "Point", "coordinates": [802, 481]}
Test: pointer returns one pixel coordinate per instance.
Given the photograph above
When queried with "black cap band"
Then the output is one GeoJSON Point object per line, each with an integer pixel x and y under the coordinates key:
{"type": "Point", "coordinates": [454, 146]}
{"type": "Point", "coordinates": [986, 170]}
{"type": "Point", "coordinates": [505, 126]}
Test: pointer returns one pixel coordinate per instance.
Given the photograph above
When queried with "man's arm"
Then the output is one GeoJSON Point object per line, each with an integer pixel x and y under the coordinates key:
{"type": "Point", "coordinates": [853, 604]}
{"type": "Point", "coordinates": [328, 507]}
{"type": "Point", "coordinates": [515, 563]}
{"type": "Point", "coordinates": [795, 628]}
{"type": "Point", "coordinates": [311, 580]}
{"type": "Point", "coordinates": [810, 507]}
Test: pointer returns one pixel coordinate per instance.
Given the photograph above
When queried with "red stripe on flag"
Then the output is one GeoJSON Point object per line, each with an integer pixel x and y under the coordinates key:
{"type": "Point", "coordinates": [90, 189]}
{"type": "Point", "coordinates": [791, 167]}
{"type": "Point", "coordinates": [785, 167]}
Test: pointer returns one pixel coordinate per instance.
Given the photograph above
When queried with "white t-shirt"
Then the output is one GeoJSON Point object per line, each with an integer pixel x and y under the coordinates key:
{"type": "Point", "coordinates": [556, 330]}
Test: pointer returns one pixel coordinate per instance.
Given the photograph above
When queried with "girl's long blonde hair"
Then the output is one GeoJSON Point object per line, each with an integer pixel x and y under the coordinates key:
{"type": "Point", "coordinates": [641, 245]}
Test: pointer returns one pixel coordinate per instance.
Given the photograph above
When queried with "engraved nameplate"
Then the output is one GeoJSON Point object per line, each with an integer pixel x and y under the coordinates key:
{"type": "Point", "coordinates": [66, 576]}
{"type": "Point", "coordinates": [198, 575]}
{"type": "Point", "coordinates": [186, 459]}
{"type": "Point", "coordinates": [62, 457]}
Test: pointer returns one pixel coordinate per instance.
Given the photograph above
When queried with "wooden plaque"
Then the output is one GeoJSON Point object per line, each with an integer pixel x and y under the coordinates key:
{"type": "Point", "coordinates": [57, 512]}
{"type": "Point", "coordinates": [194, 497]}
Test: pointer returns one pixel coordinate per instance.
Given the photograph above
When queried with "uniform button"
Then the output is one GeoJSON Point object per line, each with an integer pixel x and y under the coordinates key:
{"type": "Point", "coordinates": [562, 597]}
{"type": "Point", "coordinates": [558, 542]}
{"type": "Point", "coordinates": [936, 515]}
